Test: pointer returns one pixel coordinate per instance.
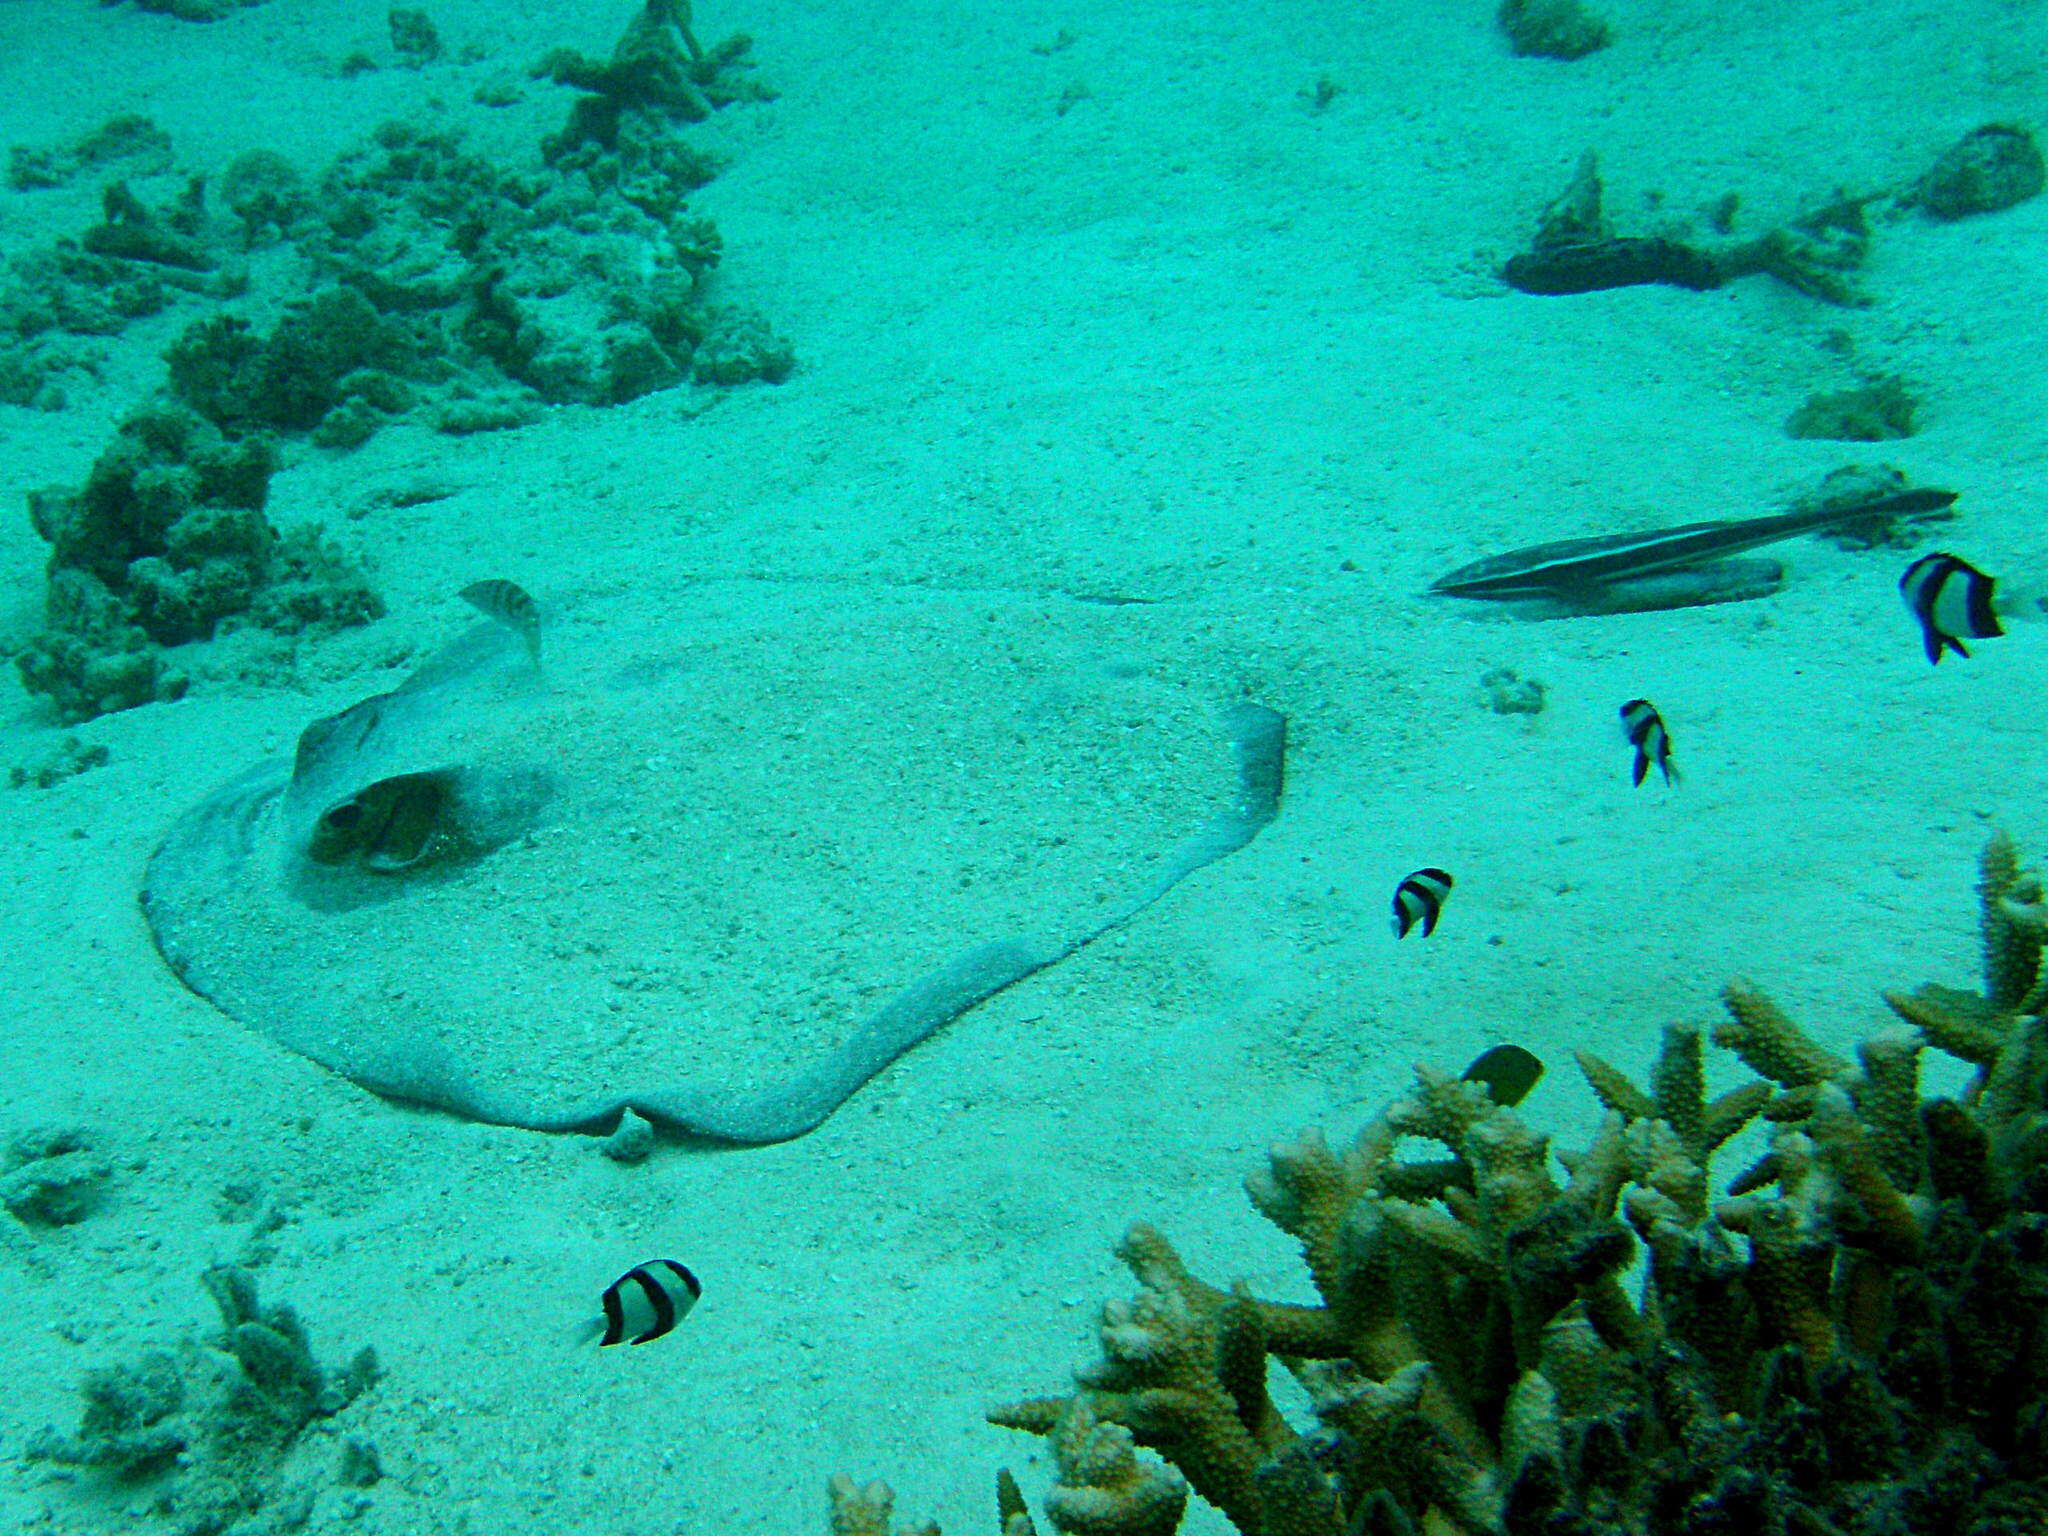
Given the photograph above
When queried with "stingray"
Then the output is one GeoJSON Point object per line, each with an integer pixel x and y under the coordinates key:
{"type": "Point", "coordinates": [432, 895]}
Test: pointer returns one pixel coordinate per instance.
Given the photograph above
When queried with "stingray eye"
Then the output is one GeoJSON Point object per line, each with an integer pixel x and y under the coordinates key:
{"type": "Point", "coordinates": [345, 817]}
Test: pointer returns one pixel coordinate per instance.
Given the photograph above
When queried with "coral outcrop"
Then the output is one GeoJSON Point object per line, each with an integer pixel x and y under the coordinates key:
{"type": "Point", "coordinates": [446, 284]}
{"type": "Point", "coordinates": [429, 280]}
{"type": "Point", "coordinates": [426, 281]}
{"type": "Point", "coordinates": [1512, 1340]}
{"type": "Point", "coordinates": [166, 540]}
{"type": "Point", "coordinates": [60, 303]}
{"type": "Point", "coordinates": [206, 1426]}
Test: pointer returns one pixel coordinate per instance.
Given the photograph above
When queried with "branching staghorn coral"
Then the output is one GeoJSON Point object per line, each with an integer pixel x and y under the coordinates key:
{"type": "Point", "coordinates": [1852, 1342]}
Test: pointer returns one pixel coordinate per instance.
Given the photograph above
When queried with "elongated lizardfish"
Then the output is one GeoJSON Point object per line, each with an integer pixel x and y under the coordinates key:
{"type": "Point", "coordinates": [1666, 567]}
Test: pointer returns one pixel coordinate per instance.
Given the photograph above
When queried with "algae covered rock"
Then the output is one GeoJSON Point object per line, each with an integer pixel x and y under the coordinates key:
{"type": "Point", "coordinates": [1871, 413]}
{"type": "Point", "coordinates": [50, 1176]}
{"type": "Point", "coordinates": [1991, 168]}
{"type": "Point", "coordinates": [142, 148]}
{"type": "Point", "coordinates": [170, 520]}
{"type": "Point", "coordinates": [166, 539]}
{"type": "Point", "coordinates": [1552, 29]}
{"type": "Point", "coordinates": [291, 378]}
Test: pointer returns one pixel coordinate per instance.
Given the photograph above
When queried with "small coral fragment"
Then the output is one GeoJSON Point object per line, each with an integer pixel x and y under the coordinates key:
{"type": "Point", "coordinates": [2011, 915]}
{"type": "Point", "coordinates": [866, 1511]}
{"type": "Point", "coordinates": [1576, 251]}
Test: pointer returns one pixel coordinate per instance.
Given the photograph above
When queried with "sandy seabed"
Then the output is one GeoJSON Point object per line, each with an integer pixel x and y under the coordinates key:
{"type": "Point", "coordinates": [1120, 317]}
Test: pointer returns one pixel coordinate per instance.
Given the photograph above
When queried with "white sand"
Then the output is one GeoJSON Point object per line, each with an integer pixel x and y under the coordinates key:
{"type": "Point", "coordinates": [1187, 341]}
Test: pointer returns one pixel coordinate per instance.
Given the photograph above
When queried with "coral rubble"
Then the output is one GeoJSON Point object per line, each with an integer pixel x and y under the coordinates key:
{"type": "Point", "coordinates": [658, 74]}
{"type": "Point", "coordinates": [207, 1426]}
{"type": "Point", "coordinates": [1817, 253]}
{"type": "Point", "coordinates": [426, 278]}
{"type": "Point", "coordinates": [165, 540]}
{"type": "Point", "coordinates": [195, 10]}
{"type": "Point", "coordinates": [1576, 250]}
{"type": "Point", "coordinates": [431, 282]}
{"type": "Point", "coordinates": [1852, 1341]}
{"type": "Point", "coordinates": [66, 759]}
{"type": "Point", "coordinates": [128, 138]}
{"type": "Point", "coordinates": [59, 303]}
{"type": "Point", "coordinates": [444, 283]}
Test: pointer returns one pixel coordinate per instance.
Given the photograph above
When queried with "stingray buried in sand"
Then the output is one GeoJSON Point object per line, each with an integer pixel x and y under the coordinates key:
{"type": "Point", "coordinates": [683, 881]}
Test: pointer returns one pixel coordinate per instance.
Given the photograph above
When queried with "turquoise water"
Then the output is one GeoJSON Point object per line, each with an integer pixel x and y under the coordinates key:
{"type": "Point", "coordinates": [918, 430]}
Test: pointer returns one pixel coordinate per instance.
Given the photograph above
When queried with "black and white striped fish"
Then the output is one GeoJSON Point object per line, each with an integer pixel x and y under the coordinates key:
{"type": "Point", "coordinates": [1646, 732]}
{"type": "Point", "coordinates": [1952, 600]}
{"type": "Point", "coordinates": [645, 1302]}
{"type": "Point", "coordinates": [1419, 899]}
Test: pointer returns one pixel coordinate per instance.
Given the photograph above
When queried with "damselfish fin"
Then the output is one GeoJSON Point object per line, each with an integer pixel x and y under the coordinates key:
{"type": "Point", "coordinates": [511, 606]}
